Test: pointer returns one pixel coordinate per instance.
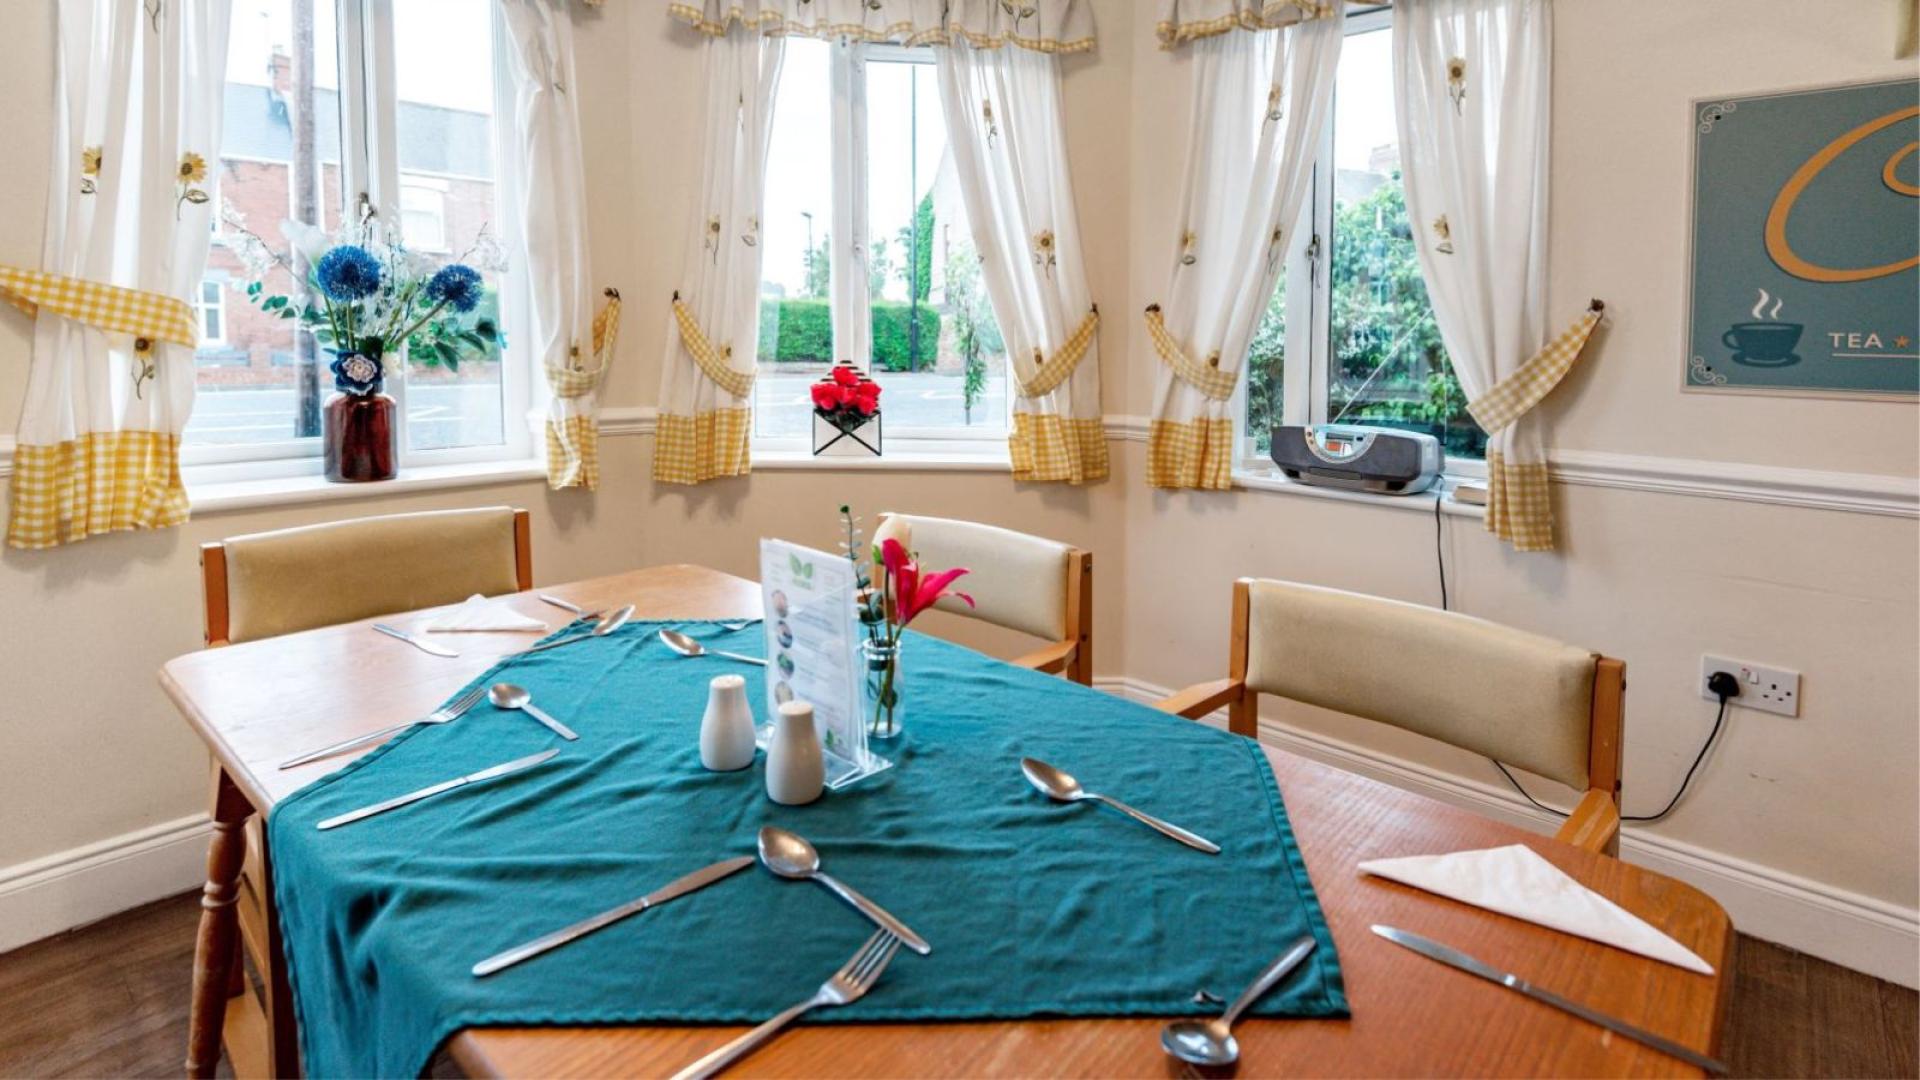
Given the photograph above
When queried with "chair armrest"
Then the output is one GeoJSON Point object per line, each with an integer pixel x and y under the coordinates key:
{"type": "Point", "coordinates": [1200, 699]}
{"type": "Point", "coordinates": [1050, 659]}
{"type": "Point", "coordinates": [1593, 825]}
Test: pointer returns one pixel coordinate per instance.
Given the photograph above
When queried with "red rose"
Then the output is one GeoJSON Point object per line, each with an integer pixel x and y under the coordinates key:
{"type": "Point", "coordinates": [866, 406]}
{"type": "Point", "coordinates": [867, 393]}
{"type": "Point", "coordinates": [845, 376]}
{"type": "Point", "coordinates": [826, 396]}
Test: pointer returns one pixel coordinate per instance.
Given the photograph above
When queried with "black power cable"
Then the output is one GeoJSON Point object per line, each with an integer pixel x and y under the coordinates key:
{"type": "Point", "coordinates": [1439, 552]}
{"type": "Point", "coordinates": [1720, 683]}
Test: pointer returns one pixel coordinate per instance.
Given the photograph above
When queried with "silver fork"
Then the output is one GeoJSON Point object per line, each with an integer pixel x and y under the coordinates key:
{"type": "Point", "coordinates": [847, 986]}
{"type": "Point", "coordinates": [452, 710]}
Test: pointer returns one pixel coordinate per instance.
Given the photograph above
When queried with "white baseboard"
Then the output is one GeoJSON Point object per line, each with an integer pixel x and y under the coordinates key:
{"type": "Point", "coordinates": [1846, 928]}
{"type": "Point", "coordinates": [73, 888]}
{"type": "Point", "coordinates": [86, 884]}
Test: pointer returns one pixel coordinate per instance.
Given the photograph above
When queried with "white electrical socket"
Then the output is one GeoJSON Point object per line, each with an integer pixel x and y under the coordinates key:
{"type": "Point", "coordinates": [1769, 689]}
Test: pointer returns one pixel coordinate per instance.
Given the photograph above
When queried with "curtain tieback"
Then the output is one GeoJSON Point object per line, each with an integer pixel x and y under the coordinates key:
{"type": "Point", "coordinates": [572, 381]}
{"type": "Point", "coordinates": [1050, 373]}
{"type": "Point", "coordinates": [1513, 396]}
{"type": "Point", "coordinates": [1206, 378]}
{"type": "Point", "coordinates": [154, 316]}
{"type": "Point", "coordinates": [712, 363]}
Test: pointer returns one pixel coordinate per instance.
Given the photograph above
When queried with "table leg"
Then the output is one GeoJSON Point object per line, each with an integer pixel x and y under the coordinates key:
{"type": "Point", "coordinates": [216, 951]}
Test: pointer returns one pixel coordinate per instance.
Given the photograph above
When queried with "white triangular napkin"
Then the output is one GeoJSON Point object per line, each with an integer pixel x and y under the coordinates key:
{"type": "Point", "coordinates": [1517, 881]}
{"type": "Point", "coordinates": [479, 613]}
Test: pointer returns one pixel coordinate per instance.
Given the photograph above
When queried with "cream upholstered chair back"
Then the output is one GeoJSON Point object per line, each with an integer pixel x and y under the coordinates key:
{"type": "Point", "coordinates": [1513, 696]}
{"type": "Point", "coordinates": [1025, 583]}
{"type": "Point", "coordinates": [265, 584]}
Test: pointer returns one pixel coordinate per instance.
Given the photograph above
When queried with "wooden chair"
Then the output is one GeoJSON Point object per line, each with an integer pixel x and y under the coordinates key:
{"type": "Point", "coordinates": [272, 583]}
{"type": "Point", "coordinates": [1025, 583]}
{"type": "Point", "coordinates": [1516, 697]}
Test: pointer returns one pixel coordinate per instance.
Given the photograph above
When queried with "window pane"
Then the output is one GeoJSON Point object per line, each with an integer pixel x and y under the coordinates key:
{"type": "Point", "coordinates": [279, 159]}
{"type": "Point", "coordinates": [1266, 370]}
{"type": "Point", "coordinates": [796, 324]}
{"type": "Point", "coordinates": [1388, 364]}
{"type": "Point", "coordinates": [936, 351]}
{"type": "Point", "coordinates": [443, 63]}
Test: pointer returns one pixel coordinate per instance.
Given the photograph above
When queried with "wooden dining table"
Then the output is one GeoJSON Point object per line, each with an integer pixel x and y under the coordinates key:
{"type": "Point", "coordinates": [260, 703]}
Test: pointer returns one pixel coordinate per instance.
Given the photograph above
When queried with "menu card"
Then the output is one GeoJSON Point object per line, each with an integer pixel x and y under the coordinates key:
{"type": "Point", "coordinates": [813, 652]}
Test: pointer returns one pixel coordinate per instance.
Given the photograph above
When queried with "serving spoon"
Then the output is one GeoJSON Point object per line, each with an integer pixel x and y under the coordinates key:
{"type": "Point", "coordinates": [1211, 1042]}
{"type": "Point", "coordinates": [611, 621]}
{"type": "Point", "coordinates": [1062, 787]}
{"type": "Point", "coordinates": [789, 855]}
{"type": "Point", "coordinates": [686, 646]}
{"type": "Point", "coordinates": [505, 695]}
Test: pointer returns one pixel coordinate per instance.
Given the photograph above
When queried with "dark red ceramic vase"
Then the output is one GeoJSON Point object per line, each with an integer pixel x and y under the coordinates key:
{"type": "Point", "coordinates": [358, 430]}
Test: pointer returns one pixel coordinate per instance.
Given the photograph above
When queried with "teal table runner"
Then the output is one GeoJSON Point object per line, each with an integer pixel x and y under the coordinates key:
{"type": "Point", "coordinates": [1033, 908]}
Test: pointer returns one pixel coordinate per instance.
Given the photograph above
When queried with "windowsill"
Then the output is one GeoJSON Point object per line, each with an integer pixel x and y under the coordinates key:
{"type": "Point", "coordinates": [982, 460]}
{"type": "Point", "coordinates": [1272, 480]}
{"type": "Point", "coordinates": [231, 495]}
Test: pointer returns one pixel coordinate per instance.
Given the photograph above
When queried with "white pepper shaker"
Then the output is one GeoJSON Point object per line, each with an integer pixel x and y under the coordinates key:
{"type": "Point", "coordinates": [796, 771]}
{"type": "Point", "coordinates": [726, 731]}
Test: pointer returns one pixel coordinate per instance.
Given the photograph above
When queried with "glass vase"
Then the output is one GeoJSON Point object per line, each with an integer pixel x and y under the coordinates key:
{"type": "Point", "coordinates": [357, 433]}
{"type": "Point", "coordinates": [886, 710]}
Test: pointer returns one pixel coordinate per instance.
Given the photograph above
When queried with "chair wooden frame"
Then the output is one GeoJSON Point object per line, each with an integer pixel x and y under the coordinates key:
{"type": "Point", "coordinates": [1594, 823]}
{"type": "Point", "coordinates": [1071, 656]}
{"type": "Point", "coordinates": [256, 1026]}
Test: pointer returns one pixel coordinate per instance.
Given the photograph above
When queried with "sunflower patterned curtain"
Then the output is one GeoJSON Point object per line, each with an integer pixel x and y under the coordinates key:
{"type": "Point", "coordinates": [548, 179]}
{"type": "Point", "coordinates": [1260, 100]}
{"type": "Point", "coordinates": [1053, 26]}
{"type": "Point", "coordinates": [1472, 82]}
{"type": "Point", "coordinates": [1009, 145]}
{"type": "Point", "coordinates": [706, 384]}
{"type": "Point", "coordinates": [1187, 20]}
{"type": "Point", "coordinates": [137, 108]}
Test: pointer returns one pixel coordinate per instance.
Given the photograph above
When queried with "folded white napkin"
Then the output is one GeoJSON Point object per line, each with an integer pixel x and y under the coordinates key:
{"type": "Point", "coordinates": [1516, 881]}
{"type": "Point", "coordinates": [478, 613]}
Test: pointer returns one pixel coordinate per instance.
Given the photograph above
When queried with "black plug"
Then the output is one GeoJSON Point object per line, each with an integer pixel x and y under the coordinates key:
{"type": "Point", "coordinates": [1724, 685]}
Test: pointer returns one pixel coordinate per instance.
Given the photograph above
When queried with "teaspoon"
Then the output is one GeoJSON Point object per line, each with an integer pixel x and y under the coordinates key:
{"type": "Point", "coordinates": [789, 855]}
{"type": "Point", "coordinates": [611, 621]}
{"type": "Point", "coordinates": [1211, 1042]}
{"type": "Point", "coordinates": [686, 646]}
{"type": "Point", "coordinates": [506, 695]}
{"type": "Point", "coordinates": [1062, 787]}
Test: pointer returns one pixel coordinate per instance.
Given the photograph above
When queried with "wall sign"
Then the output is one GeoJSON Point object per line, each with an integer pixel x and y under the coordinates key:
{"type": "Point", "coordinates": [1805, 244]}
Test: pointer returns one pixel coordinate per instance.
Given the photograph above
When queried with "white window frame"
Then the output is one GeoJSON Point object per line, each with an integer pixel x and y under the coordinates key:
{"type": "Point", "coordinates": [1310, 310]}
{"type": "Point", "coordinates": [967, 442]}
{"type": "Point", "coordinates": [370, 176]}
{"type": "Point", "coordinates": [218, 306]}
{"type": "Point", "coordinates": [417, 184]}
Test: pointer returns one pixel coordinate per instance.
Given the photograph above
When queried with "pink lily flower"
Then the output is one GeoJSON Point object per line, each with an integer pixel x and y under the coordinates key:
{"type": "Point", "coordinates": [912, 594]}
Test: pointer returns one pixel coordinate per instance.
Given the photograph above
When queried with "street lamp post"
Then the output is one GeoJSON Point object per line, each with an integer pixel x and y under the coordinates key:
{"type": "Point", "coordinates": [806, 288]}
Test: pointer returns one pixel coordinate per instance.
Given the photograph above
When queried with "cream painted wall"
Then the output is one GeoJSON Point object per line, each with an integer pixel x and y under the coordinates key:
{"type": "Point", "coordinates": [93, 751]}
{"type": "Point", "coordinates": [1654, 579]}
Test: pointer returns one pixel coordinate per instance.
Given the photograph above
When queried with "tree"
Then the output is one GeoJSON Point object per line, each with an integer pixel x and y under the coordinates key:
{"type": "Point", "coordinates": [819, 263]}
{"type": "Point", "coordinates": [975, 333]}
{"type": "Point", "coordinates": [879, 267]}
{"type": "Point", "coordinates": [919, 245]}
{"type": "Point", "coordinates": [1389, 365]}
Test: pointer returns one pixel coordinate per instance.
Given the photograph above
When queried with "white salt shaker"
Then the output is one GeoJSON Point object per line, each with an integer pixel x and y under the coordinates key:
{"type": "Point", "coordinates": [726, 731]}
{"type": "Point", "coordinates": [796, 772]}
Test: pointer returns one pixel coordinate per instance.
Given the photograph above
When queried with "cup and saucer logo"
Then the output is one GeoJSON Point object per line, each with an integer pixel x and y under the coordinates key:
{"type": "Point", "coordinates": [1765, 341]}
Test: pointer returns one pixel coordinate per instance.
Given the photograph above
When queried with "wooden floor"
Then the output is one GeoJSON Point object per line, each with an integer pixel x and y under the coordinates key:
{"type": "Point", "coordinates": [111, 1000]}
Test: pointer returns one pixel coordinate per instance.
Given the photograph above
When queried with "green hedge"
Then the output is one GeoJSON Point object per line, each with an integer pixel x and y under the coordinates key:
{"type": "Point", "coordinates": [801, 331]}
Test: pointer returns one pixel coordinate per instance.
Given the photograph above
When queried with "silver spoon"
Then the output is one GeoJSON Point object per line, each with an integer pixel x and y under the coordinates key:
{"type": "Point", "coordinates": [790, 856]}
{"type": "Point", "coordinates": [1060, 786]}
{"type": "Point", "coordinates": [565, 605]}
{"type": "Point", "coordinates": [686, 646]}
{"type": "Point", "coordinates": [611, 621]}
{"type": "Point", "coordinates": [505, 695]}
{"type": "Point", "coordinates": [1211, 1042]}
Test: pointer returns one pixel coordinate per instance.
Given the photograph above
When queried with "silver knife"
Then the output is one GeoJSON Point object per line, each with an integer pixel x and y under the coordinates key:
{"type": "Point", "coordinates": [1454, 958]}
{"type": "Point", "coordinates": [416, 641]}
{"type": "Point", "coordinates": [496, 771]}
{"type": "Point", "coordinates": [699, 879]}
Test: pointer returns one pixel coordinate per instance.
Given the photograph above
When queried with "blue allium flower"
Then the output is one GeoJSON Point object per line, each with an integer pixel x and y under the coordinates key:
{"type": "Point", "coordinates": [348, 273]}
{"type": "Point", "coordinates": [457, 286]}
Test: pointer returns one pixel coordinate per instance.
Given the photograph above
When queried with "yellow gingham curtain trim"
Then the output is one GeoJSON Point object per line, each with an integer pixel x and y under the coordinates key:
{"type": "Point", "coordinates": [1512, 396]}
{"type": "Point", "coordinates": [690, 449]}
{"type": "Point", "coordinates": [105, 307]}
{"type": "Point", "coordinates": [1193, 454]}
{"type": "Point", "coordinates": [1272, 15]}
{"type": "Point", "coordinates": [573, 453]}
{"type": "Point", "coordinates": [1049, 448]}
{"type": "Point", "coordinates": [1209, 380]}
{"type": "Point", "coordinates": [1519, 508]}
{"type": "Point", "coordinates": [712, 364]}
{"type": "Point", "coordinates": [102, 481]}
{"type": "Point", "coordinates": [902, 33]}
{"type": "Point", "coordinates": [1055, 370]}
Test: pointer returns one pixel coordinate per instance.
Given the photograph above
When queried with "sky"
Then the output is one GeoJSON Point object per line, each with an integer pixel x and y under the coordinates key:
{"type": "Point", "coordinates": [443, 49]}
{"type": "Point", "coordinates": [1363, 98]}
